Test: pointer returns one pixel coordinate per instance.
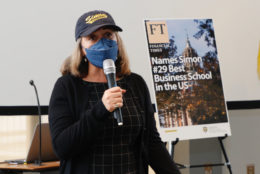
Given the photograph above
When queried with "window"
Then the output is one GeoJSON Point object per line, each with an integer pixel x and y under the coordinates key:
{"type": "Point", "coordinates": [16, 134]}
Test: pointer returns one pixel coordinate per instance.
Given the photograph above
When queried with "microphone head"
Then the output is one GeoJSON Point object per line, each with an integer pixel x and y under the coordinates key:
{"type": "Point", "coordinates": [31, 82]}
{"type": "Point", "coordinates": [109, 66]}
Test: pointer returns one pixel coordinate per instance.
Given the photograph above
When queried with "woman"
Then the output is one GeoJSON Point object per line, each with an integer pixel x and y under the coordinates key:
{"type": "Point", "coordinates": [85, 134]}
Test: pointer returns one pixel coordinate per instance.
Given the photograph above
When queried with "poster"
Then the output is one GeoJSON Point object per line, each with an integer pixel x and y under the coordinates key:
{"type": "Point", "coordinates": [187, 80]}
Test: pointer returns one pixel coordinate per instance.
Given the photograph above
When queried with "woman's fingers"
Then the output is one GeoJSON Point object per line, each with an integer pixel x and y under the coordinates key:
{"type": "Point", "coordinates": [113, 98]}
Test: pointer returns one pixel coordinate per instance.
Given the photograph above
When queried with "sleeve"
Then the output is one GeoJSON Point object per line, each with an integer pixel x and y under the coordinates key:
{"type": "Point", "coordinates": [70, 137]}
{"type": "Point", "coordinates": [158, 156]}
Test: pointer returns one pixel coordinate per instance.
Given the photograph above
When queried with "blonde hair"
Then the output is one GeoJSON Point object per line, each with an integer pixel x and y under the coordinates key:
{"type": "Point", "coordinates": [77, 65]}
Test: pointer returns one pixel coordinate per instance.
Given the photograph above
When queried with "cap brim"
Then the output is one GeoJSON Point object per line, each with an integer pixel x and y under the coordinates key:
{"type": "Point", "coordinates": [96, 27]}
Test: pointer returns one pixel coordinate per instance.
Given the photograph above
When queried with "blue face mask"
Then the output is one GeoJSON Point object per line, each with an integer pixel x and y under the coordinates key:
{"type": "Point", "coordinates": [103, 49]}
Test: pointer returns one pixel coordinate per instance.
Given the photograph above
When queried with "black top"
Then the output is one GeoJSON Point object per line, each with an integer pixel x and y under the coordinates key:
{"type": "Point", "coordinates": [114, 149]}
{"type": "Point", "coordinates": [78, 123]}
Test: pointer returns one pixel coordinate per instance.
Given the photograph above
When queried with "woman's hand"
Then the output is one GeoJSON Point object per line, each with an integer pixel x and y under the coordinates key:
{"type": "Point", "coordinates": [113, 98]}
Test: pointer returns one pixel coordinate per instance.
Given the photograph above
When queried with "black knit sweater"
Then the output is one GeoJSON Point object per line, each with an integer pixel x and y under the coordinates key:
{"type": "Point", "coordinates": [74, 127]}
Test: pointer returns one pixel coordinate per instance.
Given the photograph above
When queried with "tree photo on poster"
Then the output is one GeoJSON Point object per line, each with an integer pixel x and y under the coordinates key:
{"type": "Point", "coordinates": [186, 76]}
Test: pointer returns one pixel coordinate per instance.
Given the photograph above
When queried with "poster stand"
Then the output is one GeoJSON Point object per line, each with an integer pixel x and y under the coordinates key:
{"type": "Point", "coordinates": [182, 166]}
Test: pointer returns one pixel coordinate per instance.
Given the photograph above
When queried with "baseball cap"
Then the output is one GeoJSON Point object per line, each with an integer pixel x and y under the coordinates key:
{"type": "Point", "coordinates": [93, 20]}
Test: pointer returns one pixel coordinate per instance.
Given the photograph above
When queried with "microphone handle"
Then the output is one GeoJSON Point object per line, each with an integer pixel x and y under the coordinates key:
{"type": "Point", "coordinates": [118, 115]}
{"type": "Point", "coordinates": [111, 81]}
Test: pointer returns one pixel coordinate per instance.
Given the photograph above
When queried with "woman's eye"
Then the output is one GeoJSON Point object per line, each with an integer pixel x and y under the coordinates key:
{"type": "Point", "coordinates": [108, 35]}
{"type": "Point", "coordinates": [92, 37]}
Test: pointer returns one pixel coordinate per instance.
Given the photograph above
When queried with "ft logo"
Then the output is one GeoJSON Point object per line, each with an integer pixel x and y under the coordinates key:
{"type": "Point", "coordinates": [157, 31]}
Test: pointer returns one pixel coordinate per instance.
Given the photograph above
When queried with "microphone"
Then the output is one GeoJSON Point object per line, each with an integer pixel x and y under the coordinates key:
{"type": "Point", "coordinates": [40, 122]}
{"type": "Point", "coordinates": [110, 72]}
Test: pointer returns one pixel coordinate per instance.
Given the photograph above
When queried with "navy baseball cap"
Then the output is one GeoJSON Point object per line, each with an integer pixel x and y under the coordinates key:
{"type": "Point", "coordinates": [93, 20]}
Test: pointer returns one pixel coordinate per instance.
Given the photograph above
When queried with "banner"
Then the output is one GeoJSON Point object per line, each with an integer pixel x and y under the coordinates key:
{"type": "Point", "coordinates": [187, 81]}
